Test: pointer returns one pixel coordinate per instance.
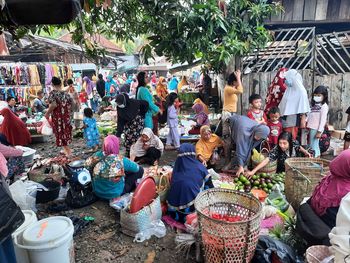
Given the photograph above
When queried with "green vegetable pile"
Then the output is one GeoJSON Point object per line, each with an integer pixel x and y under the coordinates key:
{"type": "Point", "coordinates": [261, 181]}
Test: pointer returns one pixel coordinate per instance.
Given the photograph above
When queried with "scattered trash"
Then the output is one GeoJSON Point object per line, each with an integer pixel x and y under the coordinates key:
{"type": "Point", "coordinates": [157, 229]}
{"type": "Point", "coordinates": [150, 257]}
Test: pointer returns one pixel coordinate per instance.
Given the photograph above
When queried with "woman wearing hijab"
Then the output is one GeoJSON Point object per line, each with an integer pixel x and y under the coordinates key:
{"type": "Point", "coordinates": [207, 145]}
{"type": "Point", "coordinates": [89, 87]}
{"type": "Point", "coordinates": [276, 90]}
{"type": "Point", "coordinates": [199, 101]}
{"type": "Point", "coordinates": [13, 131]}
{"type": "Point", "coordinates": [182, 83]}
{"type": "Point", "coordinates": [110, 81]}
{"type": "Point", "coordinates": [131, 114]}
{"type": "Point", "coordinates": [161, 89]}
{"type": "Point", "coordinates": [113, 174]}
{"type": "Point", "coordinates": [326, 198]}
{"type": "Point", "coordinates": [188, 179]}
{"type": "Point", "coordinates": [60, 109]}
{"type": "Point", "coordinates": [201, 119]}
{"type": "Point", "coordinates": [147, 149]}
{"type": "Point", "coordinates": [143, 93]}
{"type": "Point", "coordinates": [246, 134]}
{"type": "Point", "coordinates": [295, 103]}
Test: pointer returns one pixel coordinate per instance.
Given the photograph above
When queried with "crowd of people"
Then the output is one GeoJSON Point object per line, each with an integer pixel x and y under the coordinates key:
{"type": "Point", "coordinates": [146, 101]}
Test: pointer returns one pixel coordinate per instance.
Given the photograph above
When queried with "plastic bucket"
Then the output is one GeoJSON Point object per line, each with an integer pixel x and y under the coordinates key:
{"type": "Point", "coordinates": [30, 218]}
{"type": "Point", "coordinates": [49, 240]}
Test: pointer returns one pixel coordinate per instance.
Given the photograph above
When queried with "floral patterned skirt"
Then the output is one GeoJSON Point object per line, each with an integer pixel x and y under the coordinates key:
{"type": "Point", "coordinates": [132, 132]}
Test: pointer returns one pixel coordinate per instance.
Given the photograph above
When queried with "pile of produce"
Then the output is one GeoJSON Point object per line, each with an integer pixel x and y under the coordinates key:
{"type": "Point", "coordinates": [261, 181]}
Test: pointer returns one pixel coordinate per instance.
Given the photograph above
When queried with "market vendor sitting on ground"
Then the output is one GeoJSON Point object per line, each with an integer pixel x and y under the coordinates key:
{"type": "Point", "coordinates": [201, 119]}
{"type": "Point", "coordinates": [326, 198]}
{"type": "Point", "coordinates": [246, 134]}
{"type": "Point", "coordinates": [15, 163]}
{"type": "Point", "coordinates": [148, 148]}
{"type": "Point", "coordinates": [286, 148]}
{"type": "Point", "coordinates": [11, 102]}
{"type": "Point", "coordinates": [113, 174]}
{"type": "Point", "coordinates": [188, 179]}
{"type": "Point", "coordinates": [207, 147]}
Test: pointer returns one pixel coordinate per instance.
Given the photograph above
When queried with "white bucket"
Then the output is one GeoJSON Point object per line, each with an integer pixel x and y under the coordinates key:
{"type": "Point", "coordinates": [30, 218]}
{"type": "Point", "coordinates": [49, 240]}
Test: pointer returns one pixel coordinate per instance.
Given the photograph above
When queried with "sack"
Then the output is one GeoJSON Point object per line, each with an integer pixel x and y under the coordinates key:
{"type": "Point", "coordinates": [46, 128]}
{"type": "Point", "coordinates": [11, 216]}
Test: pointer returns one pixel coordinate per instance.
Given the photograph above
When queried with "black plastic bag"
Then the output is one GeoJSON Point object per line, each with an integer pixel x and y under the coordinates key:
{"type": "Point", "coordinates": [78, 197]}
{"type": "Point", "coordinates": [271, 250]}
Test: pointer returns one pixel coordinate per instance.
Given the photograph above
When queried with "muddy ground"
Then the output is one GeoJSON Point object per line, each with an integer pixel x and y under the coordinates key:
{"type": "Point", "coordinates": [102, 241]}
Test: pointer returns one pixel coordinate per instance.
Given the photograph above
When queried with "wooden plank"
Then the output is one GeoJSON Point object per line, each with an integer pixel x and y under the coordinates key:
{"type": "Point", "coordinates": [288, 6]}
{"type": "Point", "coordinates": [335, 104]}
{"type": "Point", "coordinates": [264, 83]}
{"type": "Point", "coordinates": [310, 9]}
{"type": "Point", "coordinates": [321, 10]}
{"type": "Point", "coordinates": [345, 98]}
{"type": "Point", "coordinates": [344, 12]}
{"type": "Point", "coordinates": [298, 10]}
{"type": "Point", "coordinates": [333, 10]}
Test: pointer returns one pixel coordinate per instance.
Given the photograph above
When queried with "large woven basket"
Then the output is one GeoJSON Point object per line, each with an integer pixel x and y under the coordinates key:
{"type": "Point", "coordinates": [316, 254]}
{"type": "Point", "coordinates": [229, 242]}
{"type": "Point", "coordinates": [302, 176]}
{"type": "Point", "coordinates": [131, 224]}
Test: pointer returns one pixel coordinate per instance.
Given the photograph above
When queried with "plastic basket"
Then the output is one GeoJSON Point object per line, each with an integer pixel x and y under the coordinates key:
{"type": "Point", "coordinates": [229, 242]}
{"type": "Point", "coordinates": [302, 176]}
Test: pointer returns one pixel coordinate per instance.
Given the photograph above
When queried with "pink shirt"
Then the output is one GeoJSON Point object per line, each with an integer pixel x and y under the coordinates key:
{"type": "Point", "coordinates": [317, 118]}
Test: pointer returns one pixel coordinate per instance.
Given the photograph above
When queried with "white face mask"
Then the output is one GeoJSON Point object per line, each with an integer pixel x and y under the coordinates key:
{"type": "Point", "coordinates": [317, 99]}
{"type": "Point", "coordinates": [122, 106]}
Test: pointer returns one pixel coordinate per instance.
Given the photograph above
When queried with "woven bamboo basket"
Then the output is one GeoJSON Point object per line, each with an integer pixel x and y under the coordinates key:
{"type": "Point", "coordinates": [229, 242]}
{"type": "Point", "coordinates": [131, 224]}
{"type": "Point", "coordinates": [302, 176]}
{"type": "Point", "coordinates": [316, 254]}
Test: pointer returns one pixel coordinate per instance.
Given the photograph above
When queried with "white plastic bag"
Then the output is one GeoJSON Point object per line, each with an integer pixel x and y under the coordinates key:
{"type": "Point", "coordinates": [157, 229]}
{"type": "Point", "coordinates": [121, 202]}
{"type": "Point", "coordinates": [47, 129]}
{"type": "Point", "coordinates": [24, 194]}
{"type": "Point", "coordinates": [339, 236]}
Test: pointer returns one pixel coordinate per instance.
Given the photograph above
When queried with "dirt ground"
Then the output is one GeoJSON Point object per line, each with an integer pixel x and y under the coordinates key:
{"type": "Point", "coordinates": [102, 241]}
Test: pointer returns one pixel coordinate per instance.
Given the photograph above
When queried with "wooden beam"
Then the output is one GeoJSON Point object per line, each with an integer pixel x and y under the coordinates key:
{"type": "Point", "coordinates": [288, 6]}
{"type": "Point", "coordinates": [344, 12]}
{"type": "Point", "coordinates": [321, 10]}
{"type": "Point", "coordinates": [310, 9]}
{"type": "Point", "coordinates": [298, 10]}
{"type": "Point", "coordinates": [333, 10]}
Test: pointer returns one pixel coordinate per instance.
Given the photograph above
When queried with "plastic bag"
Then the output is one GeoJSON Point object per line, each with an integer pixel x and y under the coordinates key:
{"type": "Point", "coordinates": [271, 250]}
{"type": "Point", "coordinates": [24, 194]}
{"type": "Point", "coordinates": [277, 199]}
{"type": "Point", "coordinates": [46, 129]}
{"type": "Point", "coordinates": [121, 202]}
{"type": "Point", "coordinates": [157, 229]}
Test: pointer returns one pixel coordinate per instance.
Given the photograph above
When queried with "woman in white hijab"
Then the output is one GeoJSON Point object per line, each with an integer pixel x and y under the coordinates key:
{"type": "Point", "coordinates": [295, 103]}
{"type": "Point", "coordinates": [147, 149]}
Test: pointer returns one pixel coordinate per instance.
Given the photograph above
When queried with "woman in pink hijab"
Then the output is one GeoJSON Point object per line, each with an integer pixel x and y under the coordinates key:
{"type": "Point", "coordinates": [328, 194]}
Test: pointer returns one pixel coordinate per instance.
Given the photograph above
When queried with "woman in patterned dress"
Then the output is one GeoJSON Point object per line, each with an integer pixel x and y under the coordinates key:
{"type": "Point", "coordinates": [60, 110]}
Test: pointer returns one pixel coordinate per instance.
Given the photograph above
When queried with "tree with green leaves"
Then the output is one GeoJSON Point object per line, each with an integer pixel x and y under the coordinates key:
{"type": "Point", "coordinates": [213, 31]}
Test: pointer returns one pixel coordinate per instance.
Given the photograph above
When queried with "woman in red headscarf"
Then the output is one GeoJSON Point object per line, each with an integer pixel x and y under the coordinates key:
{"type": "Point", "coordinates": [13, 129]}
{"type": "Point", "coordinates": [276, 90]}
{"type": "Point", "coordinates": [326, 198]}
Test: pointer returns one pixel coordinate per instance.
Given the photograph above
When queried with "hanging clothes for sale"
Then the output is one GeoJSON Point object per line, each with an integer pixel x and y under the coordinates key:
{"type": "Point", "coordinates": [34, 75]}
{"type": "Point", "coordinates": [49, 73]}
